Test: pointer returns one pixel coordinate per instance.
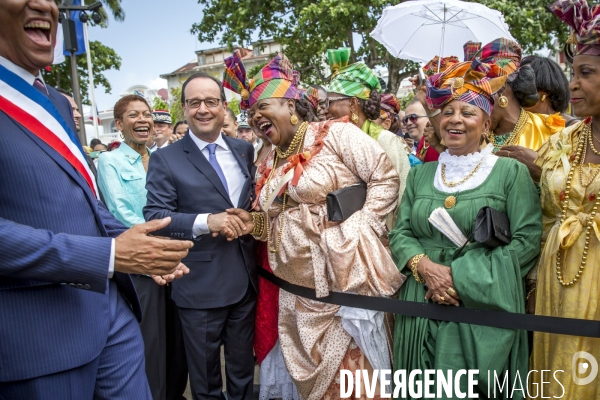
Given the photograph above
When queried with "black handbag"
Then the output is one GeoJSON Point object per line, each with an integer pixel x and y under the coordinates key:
{"type": "Point", "coordinates": [344, 202]}
{"type": "Point", "coordinates": [492, 228]}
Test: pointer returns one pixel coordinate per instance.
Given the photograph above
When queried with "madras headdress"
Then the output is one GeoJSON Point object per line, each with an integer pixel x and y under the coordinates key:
{"type": "Point", "coordinates": [277, 79]}
{"type": "Point", "coordinates": [584, 20]}
{"type": "Point", "coordinates": [354, 80]}
{"type": "Point", "coordinates": [503, 52]}
{"type": "Point", "coordinates": [311, 95]}
{"type": "Point", "coordinates": [431, 68]}
{"type": "Point", "coordinates": [389, 105]}
{"type": "Point", "coordinates": [473, 82]}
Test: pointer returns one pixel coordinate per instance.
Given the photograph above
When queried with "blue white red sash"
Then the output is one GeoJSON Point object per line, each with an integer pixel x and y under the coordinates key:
{"type": "Point", "coordinates": [29, 107]}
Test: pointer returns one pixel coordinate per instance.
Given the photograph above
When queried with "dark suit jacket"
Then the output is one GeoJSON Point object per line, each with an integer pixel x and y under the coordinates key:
{"type": "Point", "coordinates": [181, 184]}
{"type": "Point", "coordinates": [54, 258]}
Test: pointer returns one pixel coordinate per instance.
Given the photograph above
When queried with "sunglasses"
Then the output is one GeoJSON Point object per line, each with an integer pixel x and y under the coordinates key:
{"type": "Point", "coordinates": [413, 118]}
{"type": "Point", "coordinates": [329, 100]}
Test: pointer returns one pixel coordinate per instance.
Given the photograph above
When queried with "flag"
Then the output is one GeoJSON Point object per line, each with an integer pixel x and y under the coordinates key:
{"type": "Point", "coordinates": [59, 46]}
{"type": "Point", "coordinates": [91, 116]}
{"type": "Point", "coordinates": [79, 29]}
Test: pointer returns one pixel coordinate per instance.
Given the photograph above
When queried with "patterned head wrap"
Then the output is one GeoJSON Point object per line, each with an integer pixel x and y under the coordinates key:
{"type": "Point", "coordinates": [355, 80]}
{"type": "Point", "coordinates": [473, 82]}
{"type": "Point", "coordinates": [470, 49]}
{"type": "Point", "coordinates": [504, 53]}
{"type": "Point", "coordinates": [389, 105]}
{"type": "Point", "coordinates": [431, 68]}
{"type": "Point", "coordinates": [311, 95]}
{"type": "Point", "coordinates": [584, 20]}
{"type": "Point", "coordinates": [277, 79]}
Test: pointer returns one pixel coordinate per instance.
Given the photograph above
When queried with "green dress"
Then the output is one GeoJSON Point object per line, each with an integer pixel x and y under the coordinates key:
{"type": "Point", "coordinates": [484, 278]}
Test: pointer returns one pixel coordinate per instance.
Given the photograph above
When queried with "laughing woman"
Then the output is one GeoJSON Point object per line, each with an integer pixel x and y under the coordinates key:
{"type": "Point", "coordinates": [569, 269]}
{"type": "Point", "coordinates": [311, 160]}
{"type": "Point", "coordinates": [466, 178]}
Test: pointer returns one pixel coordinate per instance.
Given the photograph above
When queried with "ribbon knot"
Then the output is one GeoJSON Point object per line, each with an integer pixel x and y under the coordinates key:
{"type": "Point", "coordinates": [573, 226]}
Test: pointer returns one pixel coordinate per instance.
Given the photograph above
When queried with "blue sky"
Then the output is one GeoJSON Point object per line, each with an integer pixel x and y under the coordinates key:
{"type": "Point", "coordinates": [154, 39]}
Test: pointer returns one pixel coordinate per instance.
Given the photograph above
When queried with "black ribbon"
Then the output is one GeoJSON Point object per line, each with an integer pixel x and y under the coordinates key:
{"type": "Point", "coordinates": [496, 319]}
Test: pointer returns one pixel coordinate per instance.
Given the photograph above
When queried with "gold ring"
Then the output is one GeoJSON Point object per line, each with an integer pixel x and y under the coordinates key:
{"type": "Point", "coordinates": [451, 291]}
{"type": "Point", "coordinates": [442, 298]}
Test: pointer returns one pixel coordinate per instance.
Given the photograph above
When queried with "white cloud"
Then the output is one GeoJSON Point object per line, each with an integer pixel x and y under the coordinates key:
{"type": "Point", "coordinates": [157, 83]}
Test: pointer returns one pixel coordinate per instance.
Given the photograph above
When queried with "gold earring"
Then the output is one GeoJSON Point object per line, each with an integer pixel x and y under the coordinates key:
{"type": "Point", "coordinates": [122, 136]}
{"type": "Point", "coordinates": [502, 101]}
{"type": "Point", "coordinates": [354, 118]}
{"type": "Point", "coordinates": [442, 142]}
{"type": "Point", "coordinates": [543, 98]}
{"type": "Point", "coordinates": [294, 119]}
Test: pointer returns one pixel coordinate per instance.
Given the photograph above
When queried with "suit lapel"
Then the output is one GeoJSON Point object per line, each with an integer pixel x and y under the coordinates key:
{"type": "Point", "coordinates": [201, 163]}
{"type": "Point", "coordinates": [240, 156]}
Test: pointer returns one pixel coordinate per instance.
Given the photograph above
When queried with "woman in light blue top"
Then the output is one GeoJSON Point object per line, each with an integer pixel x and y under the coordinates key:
{"type": "Point", "coordinates": [122, 172]}
{"type": "Point", "coordinates": [122, 180]}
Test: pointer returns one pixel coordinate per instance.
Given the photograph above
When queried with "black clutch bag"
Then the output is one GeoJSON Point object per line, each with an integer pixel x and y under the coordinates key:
{"type": "Point", "coordinates": [492, 228]}
{"type": "Point", "coordinates": [342, 203]}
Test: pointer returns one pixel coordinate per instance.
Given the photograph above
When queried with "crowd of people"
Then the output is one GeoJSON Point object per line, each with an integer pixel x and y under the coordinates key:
{"type": "Point", "coordinates": [182, 216]}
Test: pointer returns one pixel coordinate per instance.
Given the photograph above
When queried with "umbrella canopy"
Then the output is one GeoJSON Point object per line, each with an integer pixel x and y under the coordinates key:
{"type": "Point", "coordinates": [421, 29]}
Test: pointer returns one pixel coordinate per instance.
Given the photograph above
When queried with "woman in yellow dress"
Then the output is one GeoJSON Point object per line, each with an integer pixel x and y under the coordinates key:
{"type": "Point", "coordinates": [568, 273]}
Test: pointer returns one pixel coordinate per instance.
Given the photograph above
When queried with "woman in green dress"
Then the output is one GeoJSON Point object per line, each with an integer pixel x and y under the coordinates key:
{"type": "Point", "coordinates": [467, 177]}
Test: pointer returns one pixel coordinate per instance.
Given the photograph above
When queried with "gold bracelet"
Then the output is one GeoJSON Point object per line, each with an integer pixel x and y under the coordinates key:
{"type": "Point", "coordinates": [530, 293]}
{"type": "Point", "coordinates": [413, 267]}
{"type": "Point", "coordinates": [258, 224]}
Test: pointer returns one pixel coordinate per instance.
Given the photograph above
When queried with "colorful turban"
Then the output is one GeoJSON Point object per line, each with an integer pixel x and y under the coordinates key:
{"type": "Point", "coordinates": [470, 49]}
{"type": "Point", "coordinates": [311, 95]}
{"type": "Point", "coordinates": [389, 105]}
{"type": "Point", "coordinates": [277, 79]}
{"type": "Point", "coordinates": [584, 20]}
{"type": "Point", "coordinates": [355, 80]}
{"type": "Point", "coordinates": [473, 82]}
{"type": "Point", "coordinates": [502, 52]}
{"type": "Point", "coordinates": [431, 68]}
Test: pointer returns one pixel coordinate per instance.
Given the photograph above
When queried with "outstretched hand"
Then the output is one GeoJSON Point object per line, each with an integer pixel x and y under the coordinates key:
{"type": "Point", "coordinates": [136, 252]}
{"type": "Point", "coordinates": [244, 216]}
{"type": "Point", "coordinates": [178, 273]}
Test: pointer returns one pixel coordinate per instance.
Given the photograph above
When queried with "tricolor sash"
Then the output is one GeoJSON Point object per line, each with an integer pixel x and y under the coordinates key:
{"type": "Point", "coordinates": [34, 111]}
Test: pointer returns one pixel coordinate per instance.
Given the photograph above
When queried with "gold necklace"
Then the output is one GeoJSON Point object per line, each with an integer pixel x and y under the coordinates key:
{"type": "Point", "coordinates": [298, 138]}
{"type": "Point", "coordinates": [453, 184]}
{"type": "Point", "coordinates": [583, 140]}
{"type": "Point", "coordinates": [595, 173]}
{"type": "Point", "coordinates": [145, 157]}
{"type": "Point", "coordinates": [267, 185]}
{"type": "Point", "coordinates": [515, 134]}
{"type": "Point", "coordinates": [592, 144]}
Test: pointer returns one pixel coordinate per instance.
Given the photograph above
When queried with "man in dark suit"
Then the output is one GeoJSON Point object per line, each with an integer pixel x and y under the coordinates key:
{"type": "Point", "coordinates": [68, 309]}
{"type": "Point", "coordinates": [194, 181]}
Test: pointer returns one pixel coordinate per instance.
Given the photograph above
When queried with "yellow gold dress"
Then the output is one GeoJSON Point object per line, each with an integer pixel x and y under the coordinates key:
{"type": "Point", "coordinates": [555, 352]}
{"type": "Point", "coordinates": [538, 128]}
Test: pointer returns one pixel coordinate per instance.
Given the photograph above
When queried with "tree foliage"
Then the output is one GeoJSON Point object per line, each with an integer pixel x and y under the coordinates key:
{"type": "Point", "coordinates": [307, 29]}
{"type": "Point", "coordinates": [176, 109]}
{"type": "Point", "coordinates": [103, 59]}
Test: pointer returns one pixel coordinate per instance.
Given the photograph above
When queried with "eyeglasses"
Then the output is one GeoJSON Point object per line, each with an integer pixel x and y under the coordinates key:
{"type": "Point", "coordinates": [413, 118]}
{"type": "Point", "coordinates": [209, 102]}
{"type": "Point", "coordinates": [328, 100]}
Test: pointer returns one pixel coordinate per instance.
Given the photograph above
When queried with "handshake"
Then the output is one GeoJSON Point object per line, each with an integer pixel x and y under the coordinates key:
{"type": "Point", "coordinates": [232, 223]}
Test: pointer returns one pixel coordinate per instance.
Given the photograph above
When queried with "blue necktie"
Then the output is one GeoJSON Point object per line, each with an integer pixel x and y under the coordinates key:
{"type": "Point", "coordinates": [212, 159]}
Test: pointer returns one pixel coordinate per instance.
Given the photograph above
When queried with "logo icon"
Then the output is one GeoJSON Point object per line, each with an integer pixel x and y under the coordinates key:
{"type": "Point", "coordinates": [582, 367]}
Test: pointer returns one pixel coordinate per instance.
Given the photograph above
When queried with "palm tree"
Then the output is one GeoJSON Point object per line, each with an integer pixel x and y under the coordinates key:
{"type": "Point", "coordinates": [115, 8]}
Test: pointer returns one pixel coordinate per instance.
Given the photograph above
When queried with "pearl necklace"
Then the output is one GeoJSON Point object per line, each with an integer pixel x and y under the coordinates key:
{"type": "Point", "coordinates": [583, 141]}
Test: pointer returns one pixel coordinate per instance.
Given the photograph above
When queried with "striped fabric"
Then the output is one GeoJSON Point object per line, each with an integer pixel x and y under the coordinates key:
{"type": "Point", "coordinates": [354, 80]}
{"type": "Point", "coordinates": [277, 79]}
{"type": "Point", "coordinates": [389, 105]}
{"type": "Point", "coordinates": [431, 68]}
{"type": "Point", "coordinates": [584, 20]}
{"type": "Point", "coordinates": [502, 52]}
{"type": "Point", "coordinates": [473, 82]}
{"type": "Point", "coordinates": [470, 50]}
{"type": "Point", "coordinates": [311, 95]}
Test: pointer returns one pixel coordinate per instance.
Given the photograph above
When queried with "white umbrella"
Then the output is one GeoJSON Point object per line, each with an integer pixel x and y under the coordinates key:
{"type": "Point", "coordinates": [421, 29]}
